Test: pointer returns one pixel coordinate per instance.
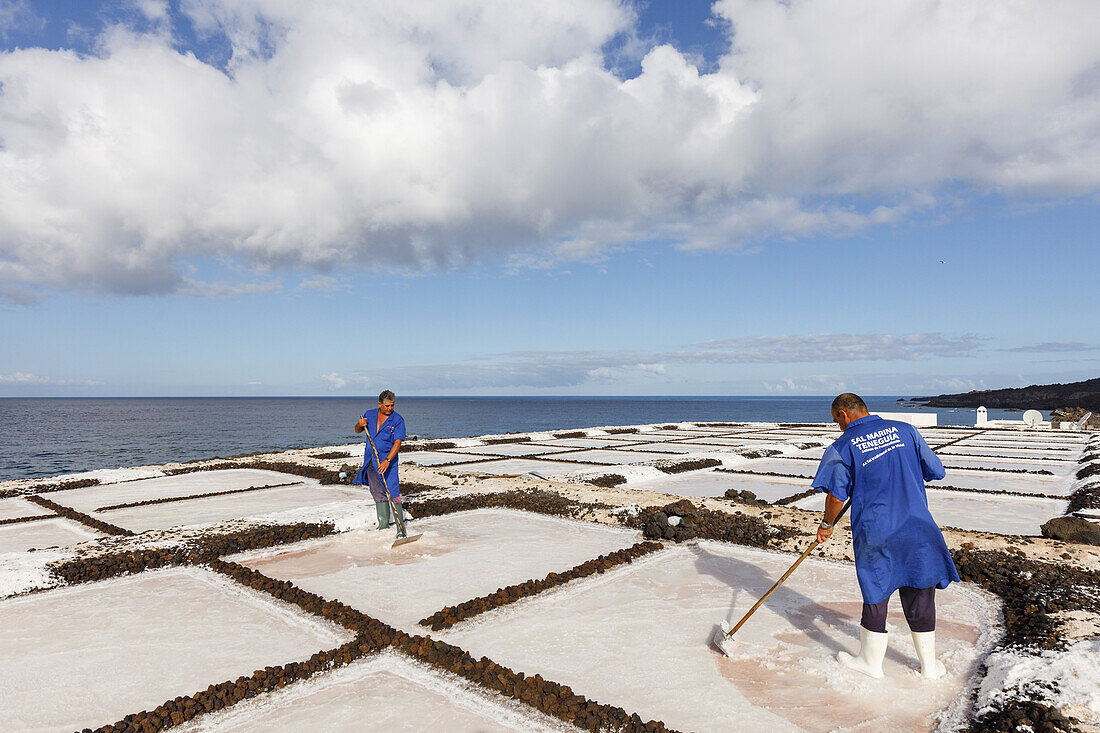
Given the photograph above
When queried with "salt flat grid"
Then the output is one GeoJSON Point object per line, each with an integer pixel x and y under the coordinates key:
{"type": "Point", "coordinates": [460, 556]}
{"type": "Point", "coordinates": [782, 704]}
{"type": "Point", "coordinates": [984, 511]}
{"type": "Point", "coordinates": [783, 676]}
{"type": "Point", "coordinates": [89, 654]}
{"type": "Point", "coordinates": [996, 469]}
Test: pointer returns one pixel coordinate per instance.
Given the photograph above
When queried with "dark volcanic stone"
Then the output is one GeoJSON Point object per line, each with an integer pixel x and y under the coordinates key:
{"type": "Point", "coordinates": [607, 480]}
{"type": "Point", "coordinates": [1073, 529]}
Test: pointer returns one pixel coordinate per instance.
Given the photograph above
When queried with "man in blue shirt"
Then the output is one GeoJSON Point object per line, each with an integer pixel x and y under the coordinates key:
{"type": "Point", "coordinates": [881, 465]}
{"type": "Point", "coordinates": [386, 429]}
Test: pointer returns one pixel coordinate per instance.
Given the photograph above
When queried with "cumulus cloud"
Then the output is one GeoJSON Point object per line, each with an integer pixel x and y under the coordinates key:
{"type": "Point", "coordinates": [549, 369]}
{"type": "Point", "coordinates": [421, 135]}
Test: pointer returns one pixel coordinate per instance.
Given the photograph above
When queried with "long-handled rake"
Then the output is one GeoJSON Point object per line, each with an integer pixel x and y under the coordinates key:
{"type": "Point", "coordinates": [398, 512]}
{"type": "Point", "coordinates": [724, 636]}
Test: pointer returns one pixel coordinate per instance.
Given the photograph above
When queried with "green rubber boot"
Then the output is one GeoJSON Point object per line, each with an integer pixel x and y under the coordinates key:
{"type": "Point", "coordinates": [382, 509]}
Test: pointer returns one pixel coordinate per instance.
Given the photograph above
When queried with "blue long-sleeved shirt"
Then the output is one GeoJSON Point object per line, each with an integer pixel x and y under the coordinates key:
{"type": "Point", "coordinates": [882, 465]}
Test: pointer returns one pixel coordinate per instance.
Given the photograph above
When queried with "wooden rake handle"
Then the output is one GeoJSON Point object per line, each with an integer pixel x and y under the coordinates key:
{"type": "Point", "coordinates": [791, 569]}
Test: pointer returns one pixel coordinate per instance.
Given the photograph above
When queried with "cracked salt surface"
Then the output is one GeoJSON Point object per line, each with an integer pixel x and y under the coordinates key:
{"type": "Point", "coordinates": [59, 532]}
{"type": "Point", "coordinates": [461, 556]}
{"type": "Point", "coordinates": [385, 692]}
{"type": "Point", "coordinates": [90, 654]}
{"type": "Point", "coordinates": [640, 636]}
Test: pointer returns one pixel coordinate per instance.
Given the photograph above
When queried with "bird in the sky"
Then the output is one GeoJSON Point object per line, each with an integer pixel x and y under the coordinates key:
{"type": "Point", "coordinates": [943, 262]}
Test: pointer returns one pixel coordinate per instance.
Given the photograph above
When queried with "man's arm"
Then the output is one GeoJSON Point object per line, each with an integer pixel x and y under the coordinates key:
{"type": "Point", "coordinates": [361, 425]}
{"type": "Point", "coordinates": [832, 510]}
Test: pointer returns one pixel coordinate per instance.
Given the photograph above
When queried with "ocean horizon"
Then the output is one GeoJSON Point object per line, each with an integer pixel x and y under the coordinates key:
{"type": "Point", "coordinates": [51, 436]}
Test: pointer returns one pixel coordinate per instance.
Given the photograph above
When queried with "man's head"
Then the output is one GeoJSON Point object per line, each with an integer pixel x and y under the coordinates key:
{"type": "Point", "coordinates": [386, 401]}
{"type": "Point", "coordinates": [847, 408]}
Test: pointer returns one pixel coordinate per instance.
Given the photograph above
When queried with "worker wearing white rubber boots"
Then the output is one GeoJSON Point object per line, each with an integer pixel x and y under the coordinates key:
{"type": "Point", "coordinates": [882, 466]}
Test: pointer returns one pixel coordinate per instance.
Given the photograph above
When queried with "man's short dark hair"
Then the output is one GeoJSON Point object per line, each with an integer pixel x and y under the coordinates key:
{"type": "Point", "coordinates": [387, 395]}
{"type": "Point", "coordinates": [850, 403]}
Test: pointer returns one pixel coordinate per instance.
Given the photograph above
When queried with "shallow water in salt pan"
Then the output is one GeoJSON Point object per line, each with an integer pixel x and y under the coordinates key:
{"type": "Point", "coordinates": [640, 637]}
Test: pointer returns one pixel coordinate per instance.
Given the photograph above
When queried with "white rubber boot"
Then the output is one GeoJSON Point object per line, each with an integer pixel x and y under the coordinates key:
{"type": "Point", "coordinates": [930, 667]}
{"type": "Point", "coordinates": [872, 650]}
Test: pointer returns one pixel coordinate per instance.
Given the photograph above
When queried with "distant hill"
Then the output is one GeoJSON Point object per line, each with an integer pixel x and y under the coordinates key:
{"type": "Point", "coordinates": [1036, 397]}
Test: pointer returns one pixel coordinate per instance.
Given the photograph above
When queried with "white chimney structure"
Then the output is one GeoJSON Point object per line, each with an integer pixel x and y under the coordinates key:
{"type": "Point", "coordinates": [983, 417]}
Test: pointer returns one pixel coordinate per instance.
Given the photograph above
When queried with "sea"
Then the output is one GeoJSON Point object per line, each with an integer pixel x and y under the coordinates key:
{"type": "Point", "coordinates": [43, 437]}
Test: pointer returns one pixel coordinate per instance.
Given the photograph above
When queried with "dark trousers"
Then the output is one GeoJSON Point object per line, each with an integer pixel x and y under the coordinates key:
{"type": "Point", "coordinates": [919, 605]}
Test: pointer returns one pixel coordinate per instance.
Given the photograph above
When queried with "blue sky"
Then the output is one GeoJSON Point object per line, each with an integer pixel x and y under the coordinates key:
{"type": "Point", "coordinates": [208, 198]}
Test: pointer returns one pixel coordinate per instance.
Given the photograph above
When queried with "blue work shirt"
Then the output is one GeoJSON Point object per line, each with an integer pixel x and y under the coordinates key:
{"type": "Point", "coordinates": [391, 431]}
{"type": "Point", "coordinates": [882, 465]}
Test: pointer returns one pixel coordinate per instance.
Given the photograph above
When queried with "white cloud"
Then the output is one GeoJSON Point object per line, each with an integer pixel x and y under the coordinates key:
{"type": "Point", "coordinates": [17, 15]}
{"type": "Point", "coordinates": [27, 379]}
{"type": "Point", "coordinates": [549, 369]}
{"type": "Point", "coordinates": [334, 381]}
{"type": "Point", "coordinates": [813, 383]}
{"type": "Point", "coordinates": [1051, 347]}
{"type": "Point", "coordinates": [787, 349]}
{"type": "Point", "coordinates": [425, 135]}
